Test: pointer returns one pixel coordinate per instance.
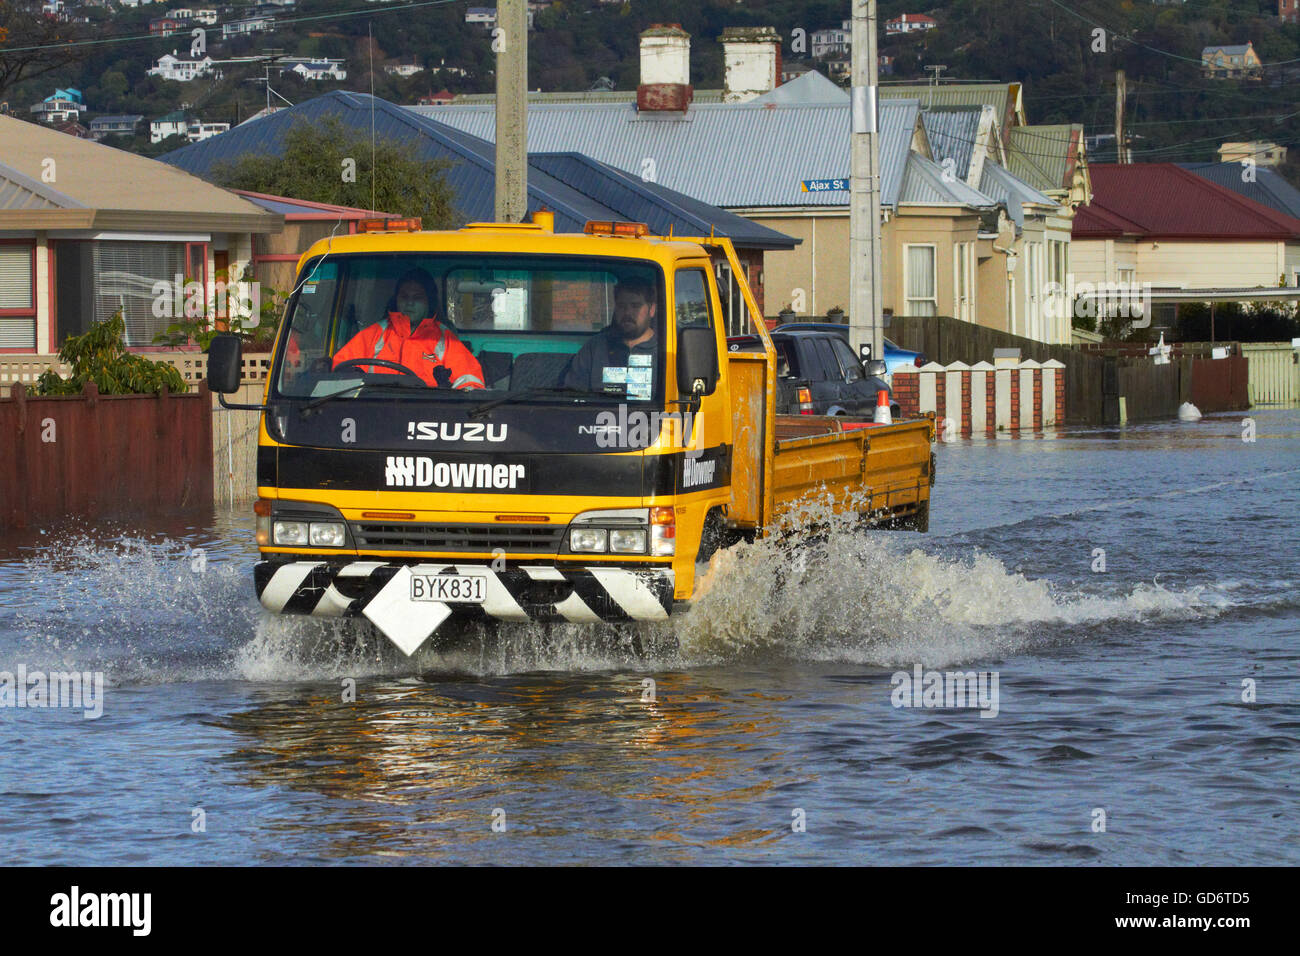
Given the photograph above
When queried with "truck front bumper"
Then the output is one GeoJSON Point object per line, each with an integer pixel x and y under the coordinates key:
{"type": "Point", "coordinates": [381, 591]}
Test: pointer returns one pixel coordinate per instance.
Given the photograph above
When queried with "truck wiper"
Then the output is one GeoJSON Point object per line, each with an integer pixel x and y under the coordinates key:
{"type": "Point", "coordinates": [355, 390]}
{"type": "Point", "coordinates": [525, 393]}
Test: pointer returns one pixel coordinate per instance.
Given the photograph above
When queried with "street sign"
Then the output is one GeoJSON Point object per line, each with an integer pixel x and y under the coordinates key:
{"type": "Point", "coordinates": [825, 185]}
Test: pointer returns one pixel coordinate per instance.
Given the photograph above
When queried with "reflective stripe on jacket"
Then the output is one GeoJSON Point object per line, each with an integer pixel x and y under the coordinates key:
{"type": "Point", "coordinates": [423, 350]}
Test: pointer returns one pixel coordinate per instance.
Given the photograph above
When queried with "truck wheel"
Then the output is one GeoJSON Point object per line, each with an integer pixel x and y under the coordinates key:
{"type": "Point", "coordinates": [921, 520]}
{"type": "Point", "coordinates": [713, 537]}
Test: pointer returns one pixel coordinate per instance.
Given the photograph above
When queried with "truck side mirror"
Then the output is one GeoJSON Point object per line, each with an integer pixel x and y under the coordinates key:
{"type": "Point", "coordinates": [225, 363]}
{"type": "Point", "coordinates": [875, 368]}
{"type": "Point", "coordinates": [697, 360]}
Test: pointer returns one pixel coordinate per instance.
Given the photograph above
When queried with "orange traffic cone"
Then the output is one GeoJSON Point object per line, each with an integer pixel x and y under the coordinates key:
{"type": "Point", "coordinates": [882, 408]}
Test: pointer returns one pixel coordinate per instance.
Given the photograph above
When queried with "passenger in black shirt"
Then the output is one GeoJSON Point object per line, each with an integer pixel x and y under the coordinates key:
{"type": "Point", "coordinates": [630, 341]}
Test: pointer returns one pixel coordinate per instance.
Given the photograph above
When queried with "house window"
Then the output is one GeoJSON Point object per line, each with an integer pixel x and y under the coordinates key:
{"type": "Point", "coordinates": [922, 298]}
{"type": "Point", "coordinates": [124, 277]}
{"type": "Point", "coordinates": [18, 295]}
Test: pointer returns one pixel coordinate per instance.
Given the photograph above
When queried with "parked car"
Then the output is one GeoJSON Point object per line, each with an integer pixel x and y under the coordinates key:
{"type": "Point", "coordinates": [818, 374]}
{"type": "Point", "coordinates": [895, 357]}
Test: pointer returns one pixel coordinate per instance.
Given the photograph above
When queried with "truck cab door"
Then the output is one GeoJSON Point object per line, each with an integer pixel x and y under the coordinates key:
{"type": "Point", "coordinates": [695, 303]}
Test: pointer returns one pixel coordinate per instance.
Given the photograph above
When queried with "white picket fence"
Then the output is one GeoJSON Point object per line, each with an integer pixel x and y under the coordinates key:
{"type": "Point", "coordinates": [1274, 372]}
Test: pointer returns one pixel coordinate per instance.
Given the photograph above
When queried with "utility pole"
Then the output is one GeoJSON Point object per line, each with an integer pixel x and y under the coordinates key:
{"type": "Point", "coordinates": [865, 279]}
{"type": "Point", "coordinates": [510, 41]}
{"type": "Point", "coordinates": [1121, 153]}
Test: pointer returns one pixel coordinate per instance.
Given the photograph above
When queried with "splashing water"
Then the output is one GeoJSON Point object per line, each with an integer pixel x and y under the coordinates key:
{"type": "Point", "coordinates": [146, 612]}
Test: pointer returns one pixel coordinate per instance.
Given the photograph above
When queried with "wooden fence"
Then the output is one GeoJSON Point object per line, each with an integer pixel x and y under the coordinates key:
{"type": "Point", "coordinates": [1274, 372]}
{"type": "Point", "coordinates": [234, 433]}
{"type": "Point", "coordinates": [1096, 377]}
{"type": "Point", "coordinates": [97, 456]}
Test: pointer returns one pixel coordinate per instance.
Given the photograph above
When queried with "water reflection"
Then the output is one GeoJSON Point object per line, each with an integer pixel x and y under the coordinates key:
{"type": "Point", "coordinates": [583, 756]}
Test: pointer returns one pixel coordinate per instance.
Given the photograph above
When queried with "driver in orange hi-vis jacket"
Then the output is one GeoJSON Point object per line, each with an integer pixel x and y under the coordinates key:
{"type": "Point", "coordinates": [412, 336]}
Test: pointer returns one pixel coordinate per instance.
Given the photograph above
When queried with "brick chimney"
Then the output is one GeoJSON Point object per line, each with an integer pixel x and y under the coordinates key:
{"type": "Point", "coordinates": [751, 62]}
{"type": "Point", "coordinates": [665, 69]}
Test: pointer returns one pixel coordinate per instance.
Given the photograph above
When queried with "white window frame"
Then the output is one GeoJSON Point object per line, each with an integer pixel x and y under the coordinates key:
{"type": "Point", "coordinates": [933, 298]}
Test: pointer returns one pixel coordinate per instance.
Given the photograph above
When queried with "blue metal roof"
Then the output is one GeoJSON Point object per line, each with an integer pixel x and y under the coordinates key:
{"type": "Point", "coordinates": [1269, 188]}
{"type": "Point", "coordinates": [952, 131]}
{"type": "Point", "coordinates": [1005, 188]}
{"type": "Point", "coordinates": [471, 175]}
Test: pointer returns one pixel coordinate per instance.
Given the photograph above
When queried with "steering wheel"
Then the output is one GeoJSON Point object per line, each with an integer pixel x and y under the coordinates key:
{"type": "Point", "coordinates": [395, 366]}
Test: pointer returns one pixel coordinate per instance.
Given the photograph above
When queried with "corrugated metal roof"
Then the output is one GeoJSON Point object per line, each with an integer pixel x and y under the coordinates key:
{"type": "Point", "coordinates": [1003, 97]}
{"type": "Point", "coordinates": [1043, 156]}
{"type": "Point", "coordinates": [579, 96]}
{"type": "Point", "coordinates": [731, 155]}
{"type": "Point", "coordinates": [997, 183]}
{"type": "Point", "coordinates": [811, 87]}
{"type": "Point", "coordinates": [952, 131]}
{"type": "Point", "coordinates": [20, 192]}
{"type": "Point", "coordinates": [926, 182]}
{"type": "Point", "coordinates": [471, 175]}
{"type": "Point", "coordinates": [1268, 188]}
{"type": "Point", "coordinates": [1163, 200]}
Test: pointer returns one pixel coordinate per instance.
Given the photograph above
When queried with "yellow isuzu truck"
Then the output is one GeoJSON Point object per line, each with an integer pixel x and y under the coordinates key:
{"type": "Point", "coordinates": [505, 423]}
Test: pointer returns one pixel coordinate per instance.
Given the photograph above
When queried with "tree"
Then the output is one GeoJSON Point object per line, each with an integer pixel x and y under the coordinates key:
{"type": "Point", "coordinates": [33, 43]}
{"type": "Point", "coordinates": [327, 162]}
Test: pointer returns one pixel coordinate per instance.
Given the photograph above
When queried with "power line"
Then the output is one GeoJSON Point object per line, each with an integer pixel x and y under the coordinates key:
{"type": "Point", "coordinates": [337, 15]}
{"type": "Point", "coordinates": [1148, 47]}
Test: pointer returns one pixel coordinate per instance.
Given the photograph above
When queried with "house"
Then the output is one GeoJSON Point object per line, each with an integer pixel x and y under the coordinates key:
{"type": "Point", "coordinates": [832, 41]}
{"type": "Point", "coordinates": [1168, 230]}
{"type": "Point", "coordinates": [72, 128]}
{"type": "Point", "coordinates": [60, 106]}
{"type": "Point", "coordinates": [197, 130]}
{"type": "Point", "coordinates": [1256, 152]}
{"type": "Point", "coordinates": [1051, 158]}
{"type": "Point", "coordinates": [181, 15]}
{"type": "Point", "coordinates": [175, 123]}
{"type": "Point", "coordinates": [909, 23]}
{"type": "Point", "coordinates": [940, 232]}
{"type": "Point", "coordinates": [103, 236]}
{"type": "Point", "coordinates": [122, 125]}
{"type": "Point", "coordinates": [403, 69]}
{"type": "Point", "coordinates": [1231, 61]}
{"type": "Point", "coordinates": [437, 99]}
{"type": "Point", "coordinates": [275, 255]}
{"type": "Point", "coordinates": [1288, 11]}
{"type": "Point", "coordinates": [258, 24]}
{"type": "Point", "coordinates": [313, 69]}
{"type": "Point", "coordinates": [172, 67]}
{"type": "Point", "coordinates": [208, 17]}
{"type": "Point", "coordinates": [577, 188]}
{"type": "Point", "coordinates": [164, 26]}
{"type": "Point", "coordinates": [486, 17]}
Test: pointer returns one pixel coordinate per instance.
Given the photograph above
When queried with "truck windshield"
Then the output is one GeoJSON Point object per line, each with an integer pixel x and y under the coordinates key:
{"type": "Point", "coordinates": [476, 328]}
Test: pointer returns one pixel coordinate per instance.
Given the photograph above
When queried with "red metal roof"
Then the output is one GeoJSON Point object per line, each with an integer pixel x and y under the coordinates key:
{"type": "Point", "coordinates": [1164, 201]}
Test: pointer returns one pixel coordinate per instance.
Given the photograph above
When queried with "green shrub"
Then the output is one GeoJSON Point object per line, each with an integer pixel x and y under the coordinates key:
{"type": "Point", "coordinates": [99, 356]}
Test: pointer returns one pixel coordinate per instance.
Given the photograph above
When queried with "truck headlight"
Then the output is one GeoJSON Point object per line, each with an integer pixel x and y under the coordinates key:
{"type": "Point", "coordinates": [290, 532]}
{"type": "Point", "coordinates": [627, 541]}
{"type": "Point", "coordinates": [588, 539]}
{"type": "Point", "coordinates": [327, 534]}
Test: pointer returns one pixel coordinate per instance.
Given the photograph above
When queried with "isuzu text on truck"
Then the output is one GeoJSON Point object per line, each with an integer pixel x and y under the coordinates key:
{"type": "Point", "coordinates": [502, 423]}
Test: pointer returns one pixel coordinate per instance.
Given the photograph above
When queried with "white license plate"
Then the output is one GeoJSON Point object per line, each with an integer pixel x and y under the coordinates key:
{"type": "Point", "coordinates": [449, 588]}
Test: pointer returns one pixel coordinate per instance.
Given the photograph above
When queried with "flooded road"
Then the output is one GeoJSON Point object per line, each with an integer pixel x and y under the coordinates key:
{"type": "Point", "coordinates": [1135, 593]}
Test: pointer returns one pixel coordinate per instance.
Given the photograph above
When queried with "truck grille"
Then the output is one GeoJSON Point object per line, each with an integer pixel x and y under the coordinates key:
{"type": "Point", "coordinates": [414, 536]}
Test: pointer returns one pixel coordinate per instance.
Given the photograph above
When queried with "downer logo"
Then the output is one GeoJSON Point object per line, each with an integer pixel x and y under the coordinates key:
{"type": "Point", "coordinates": [696, 472]}
{"type": "Point", "coordinates": [416, 472]}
